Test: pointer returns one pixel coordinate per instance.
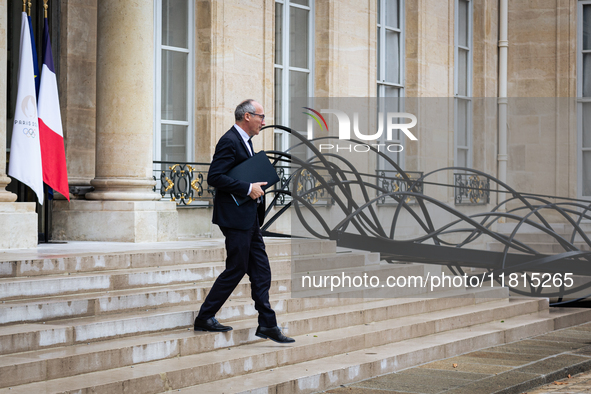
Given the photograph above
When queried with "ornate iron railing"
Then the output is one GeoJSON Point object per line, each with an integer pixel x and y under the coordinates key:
{"type": "Point", "coordinates": [392, 181]}
{"type": "Point", "coordinates": [307, 185]}
{"type": "Point", "coordinates": [183, 182]}
{"type": "Point", "coordinates": [471, 189]}
{"type": "Point", "coordinates": [457, 242]}
{"type": "Point", "coordinates": [186, 184]}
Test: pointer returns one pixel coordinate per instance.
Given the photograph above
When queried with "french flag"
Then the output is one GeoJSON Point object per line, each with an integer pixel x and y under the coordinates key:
{"type": "Point", "coordinates": [53, 154]}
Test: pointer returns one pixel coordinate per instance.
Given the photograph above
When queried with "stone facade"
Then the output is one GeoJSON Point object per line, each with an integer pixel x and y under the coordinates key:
{"type": "Point", "coordinates": [107, 94]}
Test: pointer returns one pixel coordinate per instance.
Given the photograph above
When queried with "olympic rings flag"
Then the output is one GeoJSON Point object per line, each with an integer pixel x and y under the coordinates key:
{"type": "Point", "coordinates": [25, 149]}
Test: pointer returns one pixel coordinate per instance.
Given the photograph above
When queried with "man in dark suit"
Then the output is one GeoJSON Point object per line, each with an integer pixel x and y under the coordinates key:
{"type": "Point", "coordinates": [240, 224]}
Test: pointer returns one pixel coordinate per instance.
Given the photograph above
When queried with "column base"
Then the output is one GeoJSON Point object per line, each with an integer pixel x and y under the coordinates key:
{"type": "Point", "coordinates": [123, 189]}
{"type": "Point", "coordinates": [18, 225]}
{"type": "Point", "coordinates": [6, 196]}
{"type": "Point", "coordinates": [114, 221]}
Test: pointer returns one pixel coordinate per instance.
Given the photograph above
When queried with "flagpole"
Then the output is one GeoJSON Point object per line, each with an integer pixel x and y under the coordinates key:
{"type": "Point", "coordinates": [30, 4]}
{"type": "Point", "coordinates": [24, 5]}
{"type": "Point", "coordinates": [46, 188]}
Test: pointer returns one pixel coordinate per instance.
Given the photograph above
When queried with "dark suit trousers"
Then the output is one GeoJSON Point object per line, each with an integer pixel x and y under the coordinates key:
{"type": "Point", "coordinates": [245, 255]}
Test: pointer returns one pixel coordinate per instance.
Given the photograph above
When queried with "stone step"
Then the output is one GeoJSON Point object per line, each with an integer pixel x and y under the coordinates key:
{"type": "Point", "coordinates": [46, 309]}
{"type": "Point", "coordinates": [317, 312]}
{"type": "Point", "coordinates": [323, 374]}
{"type": "Point", "coordinates": [550, 247]}
{"type": "Point", "coordinates": [111, 280]}
{"type": "Point", "coordinates": [26, 289]}
{"type": "Point", "coordinates": [313, 345]}
{"type": "Point", "coordinates": [344, 260]}
{"type": "Point", "coordinates": [16, 265]}
{"type": "Point", "coordinates": [53, 285]}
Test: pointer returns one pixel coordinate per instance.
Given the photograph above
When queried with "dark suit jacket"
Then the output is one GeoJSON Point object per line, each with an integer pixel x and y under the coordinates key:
{"type": "Point", "coordinates": [230, 151]}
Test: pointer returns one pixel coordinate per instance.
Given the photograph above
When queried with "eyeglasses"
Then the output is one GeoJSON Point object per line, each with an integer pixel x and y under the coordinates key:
{"type": "Point", "coordinates": [261, 115]}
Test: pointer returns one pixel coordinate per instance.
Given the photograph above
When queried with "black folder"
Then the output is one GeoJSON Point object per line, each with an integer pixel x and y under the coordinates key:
{"type": "Point", "coordinates": [256, 168]}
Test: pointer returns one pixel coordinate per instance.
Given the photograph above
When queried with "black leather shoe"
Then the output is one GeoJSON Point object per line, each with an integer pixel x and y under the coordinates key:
{"type": "Point", "coordinates": [274, 334]}
{"type": "Point", "coordinates": [210, 325]}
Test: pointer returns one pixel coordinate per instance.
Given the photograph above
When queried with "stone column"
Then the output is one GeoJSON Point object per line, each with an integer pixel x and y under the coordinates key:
{"type": "Point", "coordinates": [124, 207]}
{"type": "Point", "coordinates": [125, 102]}
{"type": "Point", "coordinates": [18, 221]}
{"type": "Point", "coordinates": [77, 88]}
{"type": "Point", "coordinates": [5, 196]}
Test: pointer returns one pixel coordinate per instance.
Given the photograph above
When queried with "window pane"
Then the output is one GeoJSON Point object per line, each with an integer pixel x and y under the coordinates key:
{"type": "Point", "coordinates": [463, 23]}
{"type": "Point", "coordinates": [278, 33]}
{"type": "Point", "coordinates": [586, 125]}
{"type": "Point", "coordinates": [462, 158]}
{"type": "Point", "coordinates": [298, 88]}
{"type": "Point", "coordinates": [390, 91]}
{"type": "Point", "coordinates": [392, 59]}
{"type": "Point", "coordinates": [392, 13]}
{"type": "Point", "coordinates": [301, 2]}
{"type": "Point", "coordinates": [278, 111]}
{"type": "Point", "coordinates": [298, 37]}
{"type": "Point", "coordinates": [395, 157]}
{"type": "Point", "coordinates": [586, 174]}
{"type": "Point", "coordinates": [175, 23]}
{"type": "Point", "coordinates": [279, 141]}
{"type": "Point", "coordinates": [462, 72]}
{"type": "Point", "coordinates": [174, 85]}
{"type": "Point", "coordinates": [462, 122]}
{"type": "Point", "coordinates": [587, 27]}
{"type": "Point", "coordinates": [174, 143]}
{"type": "Point", "coordinates": [587, 75]}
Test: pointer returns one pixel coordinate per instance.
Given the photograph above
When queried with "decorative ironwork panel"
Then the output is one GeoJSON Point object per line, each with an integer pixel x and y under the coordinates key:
{"type": "Point", "coordinates": [184, 183]}
{"type": "Point", "coordinates": [471, 189]}
{"type": "Point", "coordinates": [311, 189]}
{"type": "Point", "coordinates": [308, 186]}
{"type": "Point", "coordinates": [283, 186]}
{"type": "Point", "coordinates": [393, 181]}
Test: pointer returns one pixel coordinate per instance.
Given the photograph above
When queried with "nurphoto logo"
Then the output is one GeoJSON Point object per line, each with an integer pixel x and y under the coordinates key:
{"type": "Point", "coordinates": [394, 121]}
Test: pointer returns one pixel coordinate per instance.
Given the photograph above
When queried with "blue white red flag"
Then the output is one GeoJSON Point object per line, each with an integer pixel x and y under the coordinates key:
{"type": "Point", "coordinates": [53, 153]}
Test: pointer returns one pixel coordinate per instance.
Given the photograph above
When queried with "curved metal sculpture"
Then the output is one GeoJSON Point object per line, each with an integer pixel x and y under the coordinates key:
{"type": "Point", "coordinates": [363, 227]}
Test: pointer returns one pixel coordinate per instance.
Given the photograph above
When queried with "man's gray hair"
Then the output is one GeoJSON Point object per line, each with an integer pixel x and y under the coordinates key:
{"type": "Point", "coordinates": [242, 108]}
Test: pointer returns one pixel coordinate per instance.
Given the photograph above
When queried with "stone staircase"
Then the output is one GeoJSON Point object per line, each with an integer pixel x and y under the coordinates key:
{"type": "Point", "coordinates": [122, 323]}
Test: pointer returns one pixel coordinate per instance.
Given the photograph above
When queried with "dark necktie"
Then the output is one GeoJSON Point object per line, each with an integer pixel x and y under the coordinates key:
{"type": "Point", "coordinates": [259, 200]}
{"type": "Point", "coordinates": [251, 148]}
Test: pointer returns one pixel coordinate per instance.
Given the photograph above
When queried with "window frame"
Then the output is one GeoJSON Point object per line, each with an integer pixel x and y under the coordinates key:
{"type": "Point", "coordinates": [580, 99]}
{"type": "Point", "coordinates": [381, 79]}
{"type": "Point", "coordinates": [382, 83]}
{"type": "Point", "coordinates": [285, 108]}
{"type": "Point", "coordinates": [190, 50]}
{"type": "Point", "coordinates": [469, 71]}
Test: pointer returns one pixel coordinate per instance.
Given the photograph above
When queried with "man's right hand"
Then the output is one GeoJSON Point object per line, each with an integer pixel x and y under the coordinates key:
{"type": "Point", "coordinates": [256, 191]}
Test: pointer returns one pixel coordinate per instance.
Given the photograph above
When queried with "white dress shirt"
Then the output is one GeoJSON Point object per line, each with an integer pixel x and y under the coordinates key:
{"type": "Point", "coordinates": [245, 137]}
